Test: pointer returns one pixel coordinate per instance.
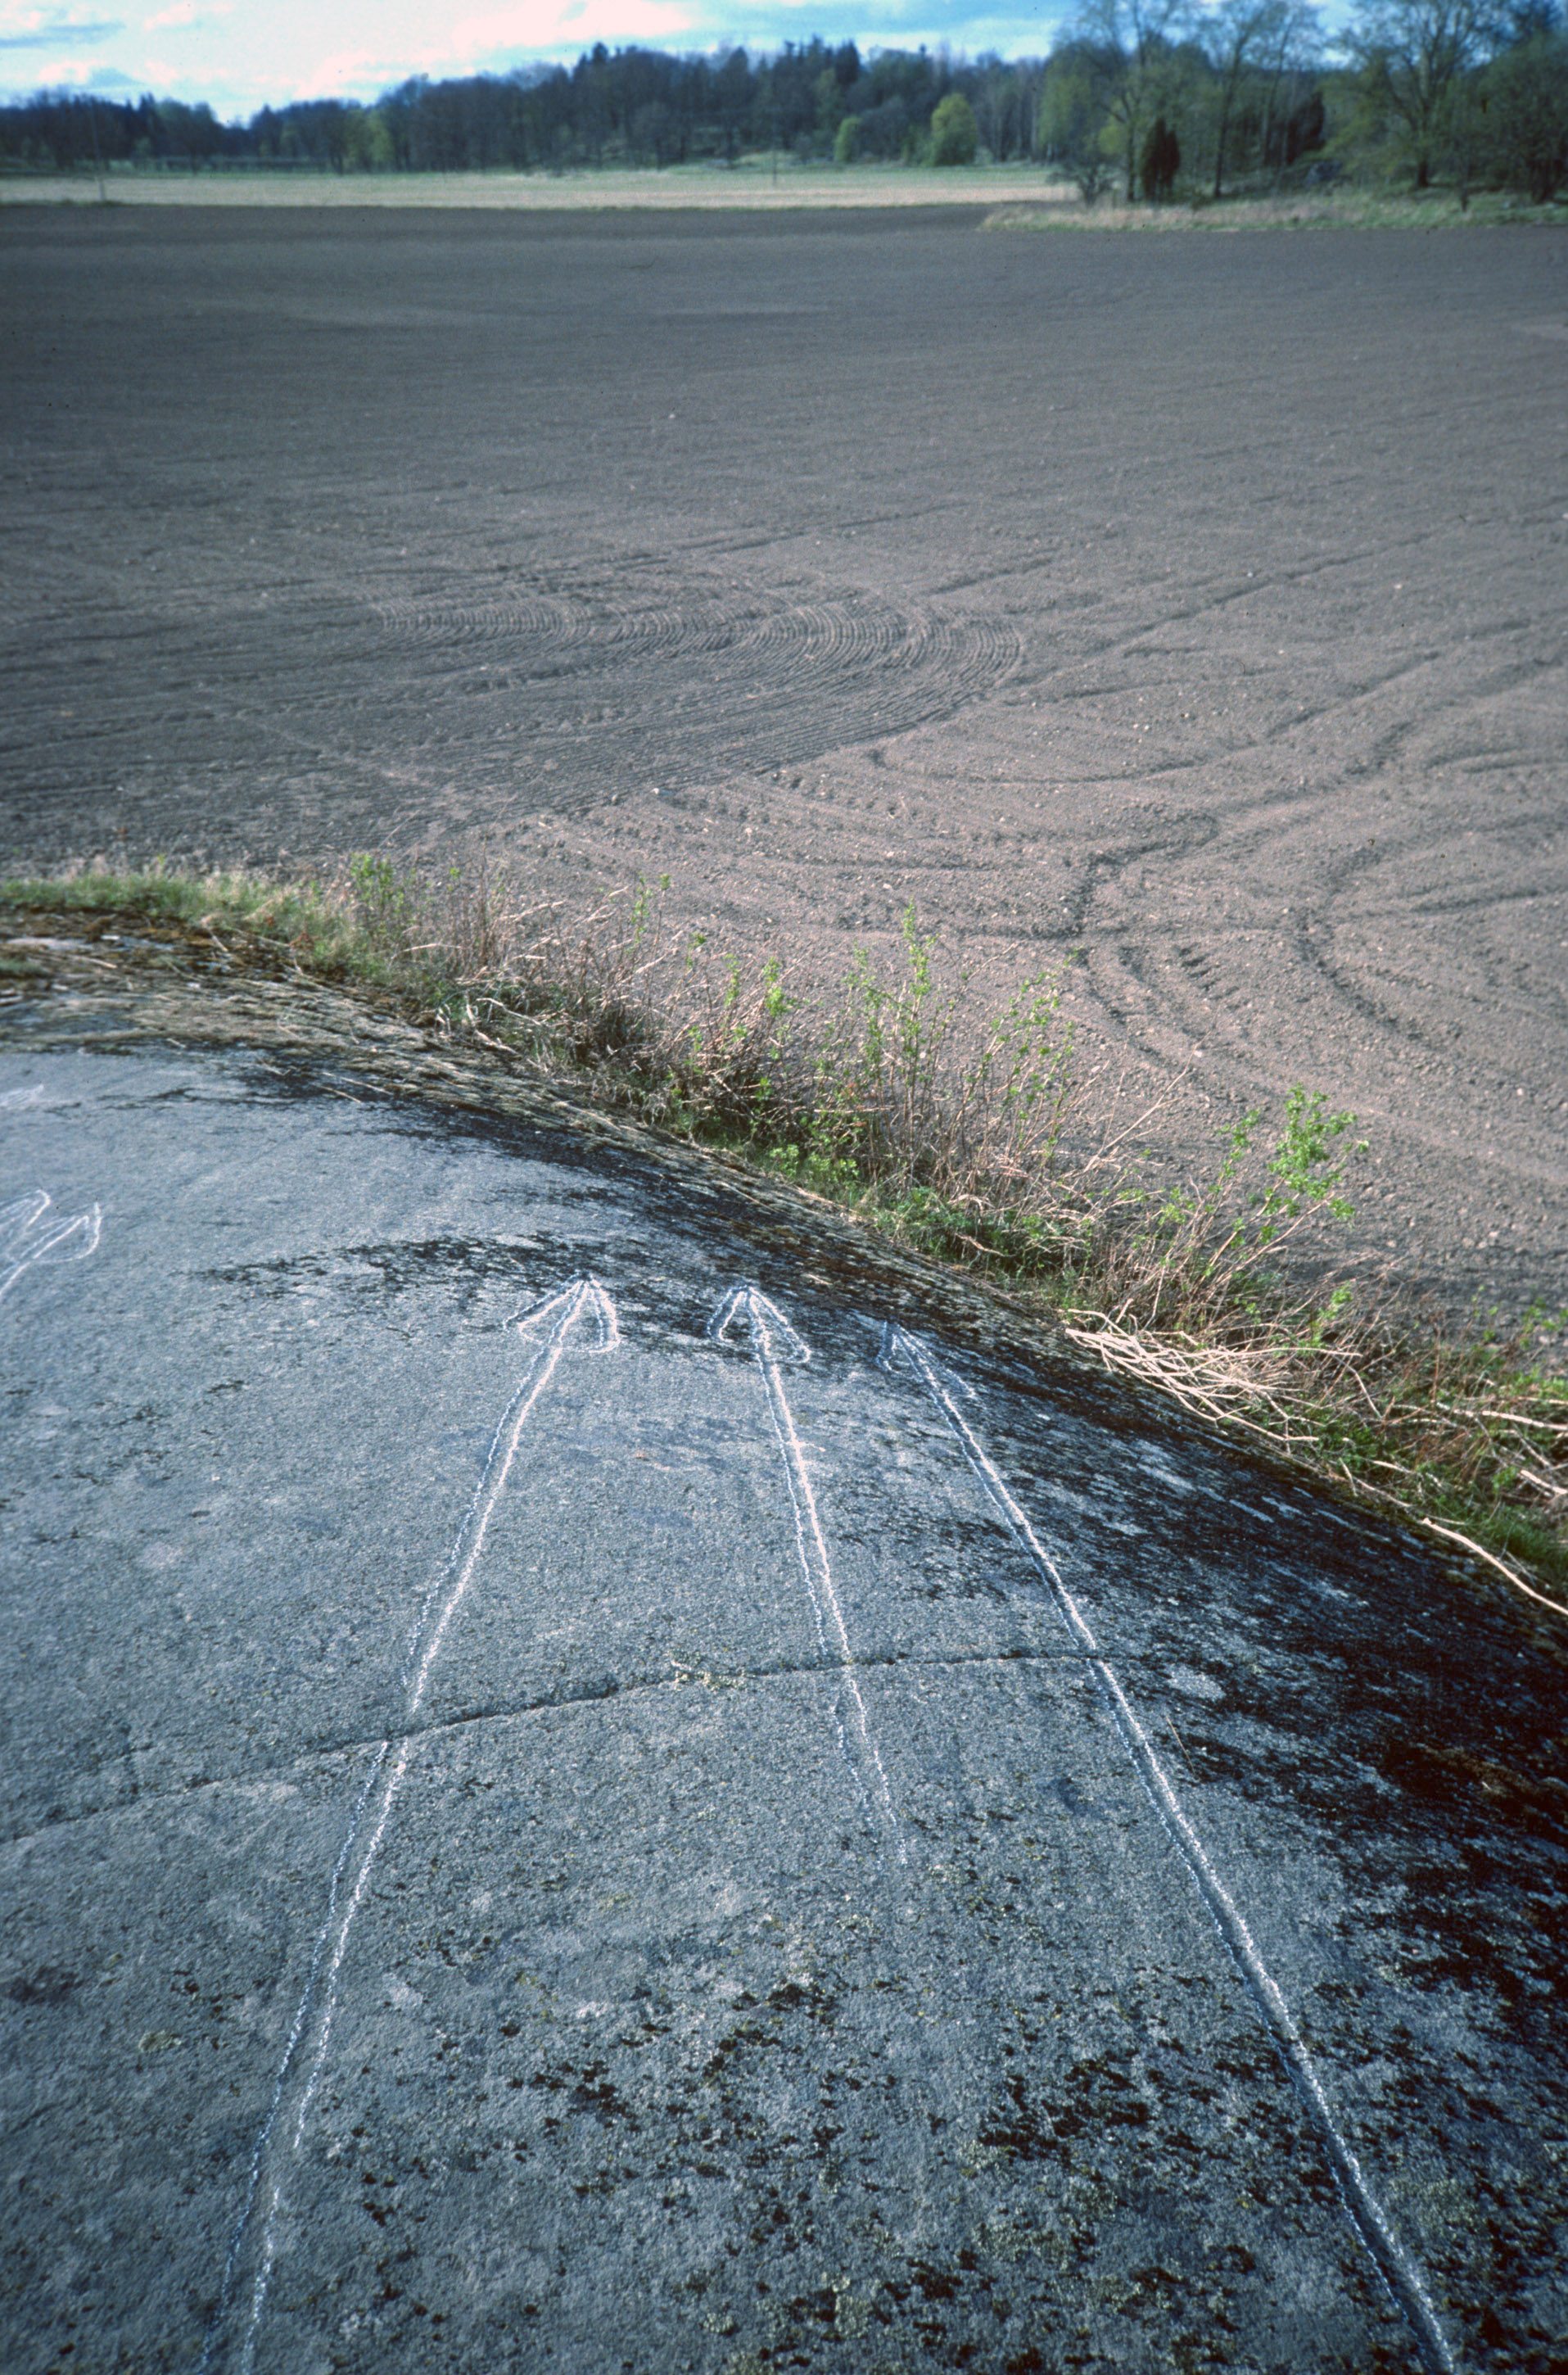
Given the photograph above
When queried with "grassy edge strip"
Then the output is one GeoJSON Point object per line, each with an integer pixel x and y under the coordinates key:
{"type": "Point", "coordinates": [1170, 1290]}
{"type": "Point", "coordinates": [1129, 1358]}
{"type": "Point", "coordinates": [1342, 208]}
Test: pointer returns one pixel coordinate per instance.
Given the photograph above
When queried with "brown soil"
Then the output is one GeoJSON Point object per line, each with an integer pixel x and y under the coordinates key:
{"type": "Point", "coordinates": [1196, 604]}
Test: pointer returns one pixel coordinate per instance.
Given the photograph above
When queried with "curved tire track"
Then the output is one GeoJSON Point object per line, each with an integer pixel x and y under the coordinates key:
{"type": "Point", "coordinates": [696, 674]}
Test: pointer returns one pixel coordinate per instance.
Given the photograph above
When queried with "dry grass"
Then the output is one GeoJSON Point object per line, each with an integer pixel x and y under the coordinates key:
{"type": "Point", "coordinates": [1463, 1431]}
{"type": "Point", "coordinates": [975, 1137]}
{"type": "Point", "coordinates": [1343, 207]}
{"type": "Point", "coordinates": [1020, 198]}
{"type": "Point", "coordinates": [752, 184]}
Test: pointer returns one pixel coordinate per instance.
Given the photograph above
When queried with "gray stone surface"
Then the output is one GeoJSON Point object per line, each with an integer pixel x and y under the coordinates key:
{"type": "Point", "coordinates": [589, 1841]}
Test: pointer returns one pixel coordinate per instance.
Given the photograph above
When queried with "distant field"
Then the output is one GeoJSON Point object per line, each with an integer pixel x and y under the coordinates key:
{"type": "Point", "coordinates": [751, 183]}
{"type": "Point", "coordinates": [1018, 197]}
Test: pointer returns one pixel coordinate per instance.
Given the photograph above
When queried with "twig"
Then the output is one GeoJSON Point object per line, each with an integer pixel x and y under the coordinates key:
{"type": "Point", "coordinates": [1465, 1543]}
{"type": "Point", "coordinates": [1474, 1410]}
{"type": "Point", "coordinates": [1352, 1371]}
{"type": "Point", "coordinates": [1180, 1743]}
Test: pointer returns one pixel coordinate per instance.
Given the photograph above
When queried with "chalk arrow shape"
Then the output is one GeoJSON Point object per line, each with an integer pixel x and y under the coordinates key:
{"type": "Point", "coordinates": [773, 1344]}
{"type": "Point", "coordinates": [18, 1218]}
{"type": "Point", "coordinates": [769, 1333]}
{"type": "Point", "coordinates": [900, 1350]}
{"type": "Point", "coordinates": [60, 1240]}
{"type": "Point", "coordinates": [71, 1240]}
{"type": "Point", "coordinates": [545, 1328]}
{"type": "Point", "coordinates": [1372, 2222]}
{"type": "Point", "coordinates": [580, 1298]}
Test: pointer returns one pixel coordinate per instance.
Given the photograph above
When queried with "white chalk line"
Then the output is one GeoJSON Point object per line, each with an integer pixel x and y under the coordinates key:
{"type": "Point", "coordinates": [560, 1312]}
{"type": "Point", "coordinates": [768, 1329]}
{"type": "Point", "coordinates": [27, 1241]}
{"type": "Point", "coordinates": [1367, 2215]}
{"type": "Point", "coordinates": [294, 2034]}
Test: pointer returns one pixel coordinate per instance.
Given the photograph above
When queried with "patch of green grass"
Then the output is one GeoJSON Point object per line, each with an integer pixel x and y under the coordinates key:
{"type": "Point", "coordinates": [1344, 207]}
{"type": "Point", "coordinates": [971, 1138]}
{"type": "Point", "coordinates": [300, 915]}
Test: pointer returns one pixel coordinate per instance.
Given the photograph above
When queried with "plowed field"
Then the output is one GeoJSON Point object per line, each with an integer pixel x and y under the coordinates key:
{"type": "Point", "coordinates": [1197, 603]}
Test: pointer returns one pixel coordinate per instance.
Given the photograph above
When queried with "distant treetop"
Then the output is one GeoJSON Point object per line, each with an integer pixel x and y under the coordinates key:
{"type": "Point", "coordinates": [1244, 94]}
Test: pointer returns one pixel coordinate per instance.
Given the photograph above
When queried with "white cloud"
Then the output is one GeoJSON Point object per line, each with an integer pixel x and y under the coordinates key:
{"type": "Point", "coordinates": [239, 54]}
{"type": "Point", "coordinates": [35, 29]}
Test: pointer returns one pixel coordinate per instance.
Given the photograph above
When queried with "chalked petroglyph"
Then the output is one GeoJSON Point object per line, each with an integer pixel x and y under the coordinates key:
{"type": "Point", "coordinates": [816, 1863]}
{"type": "Point", "coordinates": [773, 1343]}
{"type": "Point", "coordinates": [1372, 2220]}
{"type": "Point", "coordinates": [548, 1325]}
{"type": "Point", "coordinates": [34, 1236]}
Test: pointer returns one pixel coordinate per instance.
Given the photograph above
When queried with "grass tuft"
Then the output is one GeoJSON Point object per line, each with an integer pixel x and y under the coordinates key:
{"type": "Point", "coordinates": [977, 1140]}
{"type": "Point", "coordinates": [1345, 206]}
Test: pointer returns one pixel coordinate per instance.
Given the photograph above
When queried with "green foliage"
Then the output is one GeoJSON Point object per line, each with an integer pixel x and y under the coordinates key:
{"type": "Point", "coordinates": [955, 135]}
{"type": "Point", "coordinates": [302, 914]}
{"type": "Point", "coordinates": [387, 901]}
{"type": "Point", "coordinates": [1088, 106]}
{"type": "Point", "coordinates": [1434, 88]}
{"type": "Point", "coordinates": [1247, 44]}
{"type": "Point", "coordinates": [964, 1134]}
{"type": "Point", "coordinates": [367, 141]}
{"type": "Point", "coordinates": [1138, 68]}
{"type": "Point", "coordinates": [1207, 1243]}
{"type": "Point", "coordinates": [1523, 103]}
{"type": "Point", "coordinates": [830, 98]}
{"type": "Point", "coordinates": [919, 1101]}
{"type": "Point", "coordinates": [1070, 106]}
{"type": "Point", "coordinates": [1413, 54]}
{"type": "Point", "coordinates": [1073, 103]}
{"type": "Point", "coordinates": [1426, 102]}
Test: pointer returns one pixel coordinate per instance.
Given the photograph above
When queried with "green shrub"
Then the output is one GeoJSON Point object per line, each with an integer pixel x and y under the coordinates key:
{"type": "Point", "coordinates": [1526, 108]}
{"type": "Point", "coordinates": [955, 135]}
{"type": "Point", "coordinates": [846, 141]}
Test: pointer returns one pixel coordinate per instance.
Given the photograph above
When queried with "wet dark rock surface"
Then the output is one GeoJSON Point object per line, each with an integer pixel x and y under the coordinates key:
{"type": "Point", "coordinates": [590, 1841]}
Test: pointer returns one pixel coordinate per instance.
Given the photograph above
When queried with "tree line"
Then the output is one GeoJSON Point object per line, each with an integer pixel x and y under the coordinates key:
{"type": "Point", "coordinates": [1148, 97]}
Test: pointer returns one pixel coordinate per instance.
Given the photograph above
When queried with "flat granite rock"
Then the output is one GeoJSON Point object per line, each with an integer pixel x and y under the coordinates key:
{"type": "Point", "coordinates": [581, 1792]}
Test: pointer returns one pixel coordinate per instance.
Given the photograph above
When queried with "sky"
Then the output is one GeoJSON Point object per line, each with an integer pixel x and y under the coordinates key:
{"type": "Point", "coordinates": [241, 55]}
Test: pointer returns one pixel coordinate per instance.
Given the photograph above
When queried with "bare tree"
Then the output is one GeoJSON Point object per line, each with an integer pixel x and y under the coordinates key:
{"type": "Point", "coordinates": [1413, 52]}
{"type": "Point", "coordinates": [1242, 35]}
{"type": "Point", "coordinates": [1133, 41]}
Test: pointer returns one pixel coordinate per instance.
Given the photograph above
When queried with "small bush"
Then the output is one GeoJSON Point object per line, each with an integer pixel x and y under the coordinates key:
{"type": "Point", "coordinates": [1525, 109]}
{"type": "Point", "coordinates": [955, 135]}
